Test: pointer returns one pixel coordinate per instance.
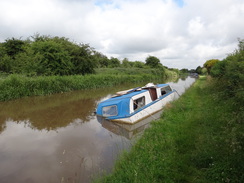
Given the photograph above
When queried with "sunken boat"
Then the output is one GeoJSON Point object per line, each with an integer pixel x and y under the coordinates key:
{"type": "Point", "coordinates": [131, 106]}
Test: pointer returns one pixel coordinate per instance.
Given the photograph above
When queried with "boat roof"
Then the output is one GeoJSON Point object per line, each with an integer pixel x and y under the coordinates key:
{"type": "Point", "coordinates": [130, 94]}
{"type": "Point", "coordinates": [162, 85]}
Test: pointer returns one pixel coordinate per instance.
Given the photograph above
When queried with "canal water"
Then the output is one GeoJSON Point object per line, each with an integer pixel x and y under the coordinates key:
{"type": "Point", "coordinates": [58, 138]}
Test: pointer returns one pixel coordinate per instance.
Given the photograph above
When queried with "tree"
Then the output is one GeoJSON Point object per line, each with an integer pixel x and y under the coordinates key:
{"type": "Point", "coordinates": [13, 46]}
{"type": "Point", "coordinates": [139, 64]}
{"type": "Point", "coordinates": [55, 59]}
{"type": "Point", "coordinates": [209, 64]}
{"type": "Point", "coordinates": [184, 70]}
{"type": "Point", "coordinates": [62, 57]}
{"type": "Point", "coordinates": [125, 63]}
{"type": "Point", "coordinates": [199, 70]}
{"type": "Point", "coordinates": [219, 69]}
{"type": "Point", "coordinates": [83, 60]}
{"type": "Point", "coordinates": [114, 62]}
{"type": "Point", "coordinates": [6, 63]}
{"type": "Point", "coordinates": [204, 71]}
{"type": "Point", "coordinates": [101, 59]}
{"type": "Point", "coordinates": [152, 62]}
{"type": "Point", "coordinates": [230, 73]}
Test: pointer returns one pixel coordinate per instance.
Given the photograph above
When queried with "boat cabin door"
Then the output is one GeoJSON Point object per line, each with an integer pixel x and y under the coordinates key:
{"type": "Point", "coordinates": [153, 93]}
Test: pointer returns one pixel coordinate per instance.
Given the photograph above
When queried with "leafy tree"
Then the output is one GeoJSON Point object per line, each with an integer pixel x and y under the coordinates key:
{"type": "Point", "coordinates": [234, 67]}
{"type": "Point", "coordinates": [82, 60]}
{"type": "Point", "coordinates": [204, 71]}
{"type": "Point", "coordinates": [55, 60]}
{"type": "Point", "coordinates": [192, 71]}
{"type": "Point", "coordinates": [219, 69]}
{"type": "Point", "coordinates": [104, 62]}
{"type": "Point", "coordinates": [199, 70]}
{"type": "Point", "coordinates": [230, 72]}
{"type": "Point", "coordinates": [114, 62]}
{"type": "Point", "coordinates": [139, 64]}
{"type": "Point", "coordinates": [28, 63]}
{"type": "Point", "coordinates": [126, 63]}
{"type": "Point", "coordinates": [4, 59]}
{"type": "Point", "coordinates": [184, 70]}
{"type": "Point", "coordinates": [13, 46]}
{"type": "Point", "coordinates": [2, 50]}
{"type": "Point", "coordinates": [46, 55]}
{"type": "Point", "coordinates": [152, 62]}
{"type": "Point", "coordinates": [209, 64]}
{"type": "Point", "coordinates": [62, 57]}
{"type": "Point", "coordinates": [101, 60]}
{"type": "Point", "coordinates": [8, 53]}
{"type": "Point", "coordinates": [83, 56]}
{"type": "Point", "coordinates": [6, 63]}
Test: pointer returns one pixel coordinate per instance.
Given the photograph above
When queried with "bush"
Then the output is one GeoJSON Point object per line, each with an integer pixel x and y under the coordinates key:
{"type": "Point", "coordinates": [45, 55]}
{"type": "Point", "coordinates": [230, 73]}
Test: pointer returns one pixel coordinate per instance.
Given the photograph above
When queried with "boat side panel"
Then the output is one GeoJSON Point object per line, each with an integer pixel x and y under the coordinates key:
{"type": "Point", "coordinates": [148, 100]}
{"type": "Point", "coordinates": [148, 110]}
{"type": "Point", "coordinates": [122, 103]}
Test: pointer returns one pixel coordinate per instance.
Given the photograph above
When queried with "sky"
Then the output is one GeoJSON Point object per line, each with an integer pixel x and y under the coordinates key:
{"type": "Point", "coordinates": [181, 33]}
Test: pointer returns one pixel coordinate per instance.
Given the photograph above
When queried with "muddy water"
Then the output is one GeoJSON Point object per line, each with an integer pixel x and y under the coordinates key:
{"type": "Point", "coordinates": [58, 138]}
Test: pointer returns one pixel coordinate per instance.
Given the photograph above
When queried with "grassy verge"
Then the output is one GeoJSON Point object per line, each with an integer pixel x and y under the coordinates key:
{"type": "Point", "coordinates": [198, 139]}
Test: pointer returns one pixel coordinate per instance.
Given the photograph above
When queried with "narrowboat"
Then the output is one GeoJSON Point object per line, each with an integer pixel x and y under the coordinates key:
{"type": "Point", "coordinates": [133, 105]}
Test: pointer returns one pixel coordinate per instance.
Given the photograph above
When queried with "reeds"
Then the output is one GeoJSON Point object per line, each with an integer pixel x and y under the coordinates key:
{"type": "Point", "coordinates": [17, 86]}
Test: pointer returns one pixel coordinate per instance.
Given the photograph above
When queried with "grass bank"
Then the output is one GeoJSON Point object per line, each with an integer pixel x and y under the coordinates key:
{"type": "Point", "coordinates": [17, 86]}
{"type": "Point", "coordinates": [198, 139]}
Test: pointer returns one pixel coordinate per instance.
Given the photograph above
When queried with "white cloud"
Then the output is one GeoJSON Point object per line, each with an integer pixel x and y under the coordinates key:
{"type": "Point", "coordinates": [182, 35]}
{"type": "Point", "coordinates": [195, 27]}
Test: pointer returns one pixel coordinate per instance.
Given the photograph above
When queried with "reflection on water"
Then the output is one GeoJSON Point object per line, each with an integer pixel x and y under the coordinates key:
{"type": "Point", "coordinates": [70, 154]}
{"type": "Point", "coordinates": [54, 111]}
{"type": "Point", "coordinates": [51, 112]}
{"type": "Point", "coordinates": [182, 84]}
{"type": "Point", "coordinates": [57, 138]}
{"type": "Point", "coordinates": [129, 130]}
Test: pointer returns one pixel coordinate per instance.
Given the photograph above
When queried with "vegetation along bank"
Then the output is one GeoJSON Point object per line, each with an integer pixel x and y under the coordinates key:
{"type": "Point", "coordinates": [42, 65]}
{"type": "Point", "coordinates": [17, 86]}
{"type": "Point", "coordinates": [199, 137]}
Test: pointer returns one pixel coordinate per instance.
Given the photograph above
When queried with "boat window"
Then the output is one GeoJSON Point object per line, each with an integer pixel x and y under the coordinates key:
{"type": "Point", "coordinates": [138, 103]}
{"type": "Point", "coordinates": [110, 111]}
{"type": "Point", "coordinates": [165, 90]}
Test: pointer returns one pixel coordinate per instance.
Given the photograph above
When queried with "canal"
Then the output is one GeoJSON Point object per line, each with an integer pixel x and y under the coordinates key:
{"type": "Point", "coordinates": [58, 138]}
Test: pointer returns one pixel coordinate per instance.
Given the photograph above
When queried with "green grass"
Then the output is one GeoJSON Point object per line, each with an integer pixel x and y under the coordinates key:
{"type": "Point", "coordinates": [198, 139]}
{"type": "Point", "coordinates": [17, 86]}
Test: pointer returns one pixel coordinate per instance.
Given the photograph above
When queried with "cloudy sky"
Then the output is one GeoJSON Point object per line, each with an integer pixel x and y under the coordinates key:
{"type": "Point", "coordinates": [181, 33]}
